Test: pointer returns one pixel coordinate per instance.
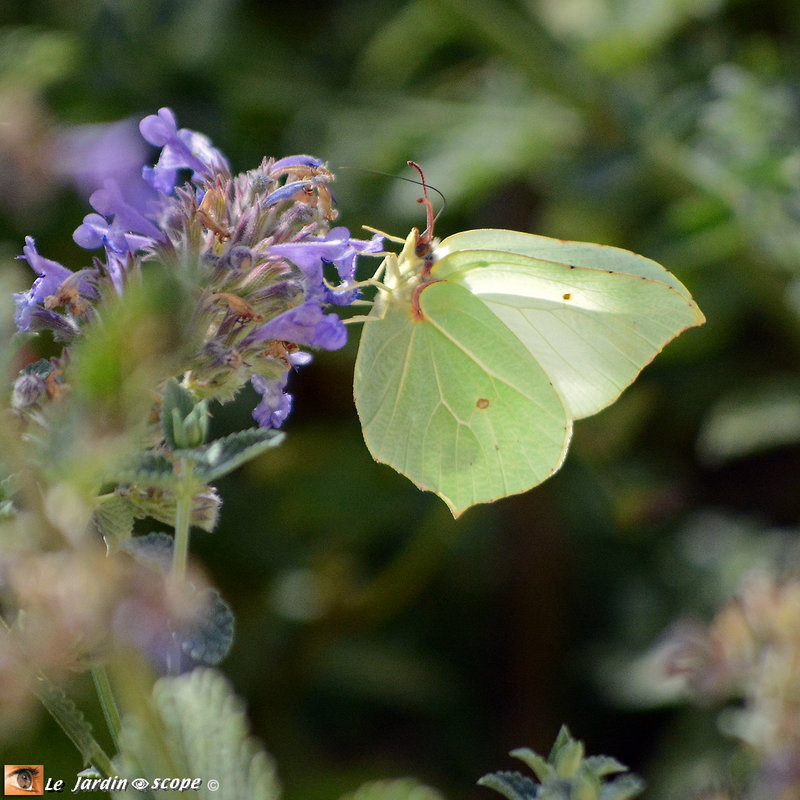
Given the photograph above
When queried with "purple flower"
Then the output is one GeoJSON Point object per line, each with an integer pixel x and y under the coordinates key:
{"type": "Point", "coordinates": [287, 192]}
{"type": "Point", "coordinates": [109, 201]}
{"type": "Point", "coordinates": [181, 149]}
{"type": "Point", "coordinates": [346, 269]}
{"type": "Point", "coordinates": [304, 325]}
{"type": "Point", "coordinates": [337, 248]}
{"type": "Point", "coordinates": [275, 403]}
{"type": "Point", "coordinates": [296, 161]}
{"type": "Point", "coordinates": [116, 266]}
{"type": "Point", "coordinates": [96, 231]}
{"type": "Point", "coordinates": [52, 276]}
{"type": "Point", "coordinates": [90, 154]}
{"type": "Point", "coordinates": [309, 254]}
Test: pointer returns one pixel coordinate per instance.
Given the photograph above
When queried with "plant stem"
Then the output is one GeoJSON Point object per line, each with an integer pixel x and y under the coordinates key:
{"type": "Point", "coordinates": [183, 514]}
{"type": "Point", "coordinates": [180, 547]}
{"type": "Point", "coordinates": [107, 702]}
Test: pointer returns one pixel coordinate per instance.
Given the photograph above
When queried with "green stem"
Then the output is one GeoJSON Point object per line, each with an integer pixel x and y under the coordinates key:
{"type": "Point", "coordinates": [180, 547]}
{"type": "Point", "coordinates": [107, 702]}
{"type": "Point", "coordinates": [183, 515]}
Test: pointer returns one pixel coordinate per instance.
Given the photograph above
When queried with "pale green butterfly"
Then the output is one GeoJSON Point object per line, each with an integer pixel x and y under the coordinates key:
{"type": "Point", "coordinates": [480, 351]}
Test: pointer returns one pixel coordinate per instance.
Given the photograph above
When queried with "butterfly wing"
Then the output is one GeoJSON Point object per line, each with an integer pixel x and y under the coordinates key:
{"type": "Point", "coordinates": [455, 401]}
{"type": "Point", "coordinates": [590, 327]}
{"type": "Point", "coordinates": [563, 251]}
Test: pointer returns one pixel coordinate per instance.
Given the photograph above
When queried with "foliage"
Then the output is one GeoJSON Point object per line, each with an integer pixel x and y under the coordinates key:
{"type": "Point", "coordinates": [202, 732]}
{"type": "Point", "coordinates": [565, 775]}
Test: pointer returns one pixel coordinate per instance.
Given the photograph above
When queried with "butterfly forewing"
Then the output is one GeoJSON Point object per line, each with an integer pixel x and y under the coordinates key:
{"type": "Point", "coordinates": [591, 330]}
{"type": "Point", "coordinates": [562, 251]}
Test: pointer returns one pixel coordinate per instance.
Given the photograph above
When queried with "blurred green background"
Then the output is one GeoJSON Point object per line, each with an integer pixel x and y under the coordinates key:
{"type": "Point", "coordinates": [376, 636]}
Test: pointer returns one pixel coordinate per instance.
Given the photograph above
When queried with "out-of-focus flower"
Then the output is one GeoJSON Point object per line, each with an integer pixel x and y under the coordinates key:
{"type": "Point", "coordinates": [90, 155]}
{"type": "Point", "coordinates": [82, 607]}
{"type": "Point", "coordinates": [750, 654]}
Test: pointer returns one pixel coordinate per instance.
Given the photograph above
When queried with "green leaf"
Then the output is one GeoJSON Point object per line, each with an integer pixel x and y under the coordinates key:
{"type": "Point", "coordinates": [625, 787]}
{"type": "Point", "coordinates": [222, 456]}
{"type": "Point", "coordinates": [72, 722]}
{"type": "Point", "coordinates": [604, 765]}
{"type": "Point", "coordinates": [161, 505]}
{"type": "Point", "coordinates": [184, 422]}
{"type": "Point", "coordinates": [176, 398]}
{"type": "Point", "coordinates": [211, 641]}
{"type": "Point", "coordinates": [479, 354]}
{"type": "Point", "coordinates": [539, 765]}
{"type": "Point", "coordinates": [568, 758]}
{"type": "Point", "coordinates": [513, 785]}
{"type": "Point", "coordinates": [148, 471]}
{"type": "Point", "coordinates": [196, 727]}
{"type": "Point", "coordinates": [113, 518]}
{"type": "Point", "coordinates": [566, 775]}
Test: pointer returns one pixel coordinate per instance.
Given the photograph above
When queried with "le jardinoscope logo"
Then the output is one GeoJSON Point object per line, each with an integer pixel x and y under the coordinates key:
{"type": "Point", "coordinates": [29, 779]}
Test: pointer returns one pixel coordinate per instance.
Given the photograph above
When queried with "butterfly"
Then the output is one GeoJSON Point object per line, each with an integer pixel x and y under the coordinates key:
{"type": "Point", "coordinates": [481, 350]}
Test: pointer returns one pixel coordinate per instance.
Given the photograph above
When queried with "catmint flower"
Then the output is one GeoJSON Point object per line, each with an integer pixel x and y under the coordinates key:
{"type": "Point", "coordinates": [89, 155]}
{"type": "Point", "coordinates": [275, 403]}
{"type": "Point", "coordinates": [181, 149]}
{"type": "Point", "coordinates": [305, 325]}
{"type": "Point", "coordinates": [56, 286]}
{"type": "Point", "coordinates": [110, 202]}
{"type": "Point", "coordinates": [257, 247]}
{"type": "Point", "coordinates": [96, 231]}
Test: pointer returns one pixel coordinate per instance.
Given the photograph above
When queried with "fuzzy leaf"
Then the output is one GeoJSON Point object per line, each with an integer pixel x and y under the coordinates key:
{"type": "Point", "coordinates": [538, 765]}
{"type": "Point", "coordinates": [513, 785]}
{"type": "Point", "coordinates": [604, 765]}
{"type": "Point", "coordinates": [210, 642]}
{"type": "Point", "coordinates": [160, 504]}
{"type": "Point", "coordinates": [224, 455]}
{"type": "Point", "coordinates": [71, 720]}
{"type": "Point", "coordinates": [154, 548]}
{"type": "Point", "coordinates": [175, 399]}
{"type": "Point", "coordinates": [566, 775]}
{"type": "Point", "coordinates": [113, 518]}
{"type": "Point", "coordinates": [624, 787]}
{"type": "Point", "coordinates": [198, 729]}
{"type": "Point", "coordinates": [148, 470]}
{"type": "Point", "coordinates": [397, 789]}
{"type": "Point", "coordinates": [209, 639]}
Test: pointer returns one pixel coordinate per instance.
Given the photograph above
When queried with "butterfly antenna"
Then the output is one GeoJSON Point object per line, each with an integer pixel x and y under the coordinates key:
{"type": "Point", "coordinates": [424, 242]}
{"type": "Point", "coordinates": [423, 183]}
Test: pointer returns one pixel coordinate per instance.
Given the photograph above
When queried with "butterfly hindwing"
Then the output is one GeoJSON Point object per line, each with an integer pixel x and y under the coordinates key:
{"type": "Point", "coordinates": [455, 402]}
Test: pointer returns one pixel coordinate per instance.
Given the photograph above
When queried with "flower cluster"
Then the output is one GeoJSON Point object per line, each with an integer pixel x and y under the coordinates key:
{"type": "Point", "coordinates": [749, 654]}
{"type": "Point", "coordinates": [259, 246]}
